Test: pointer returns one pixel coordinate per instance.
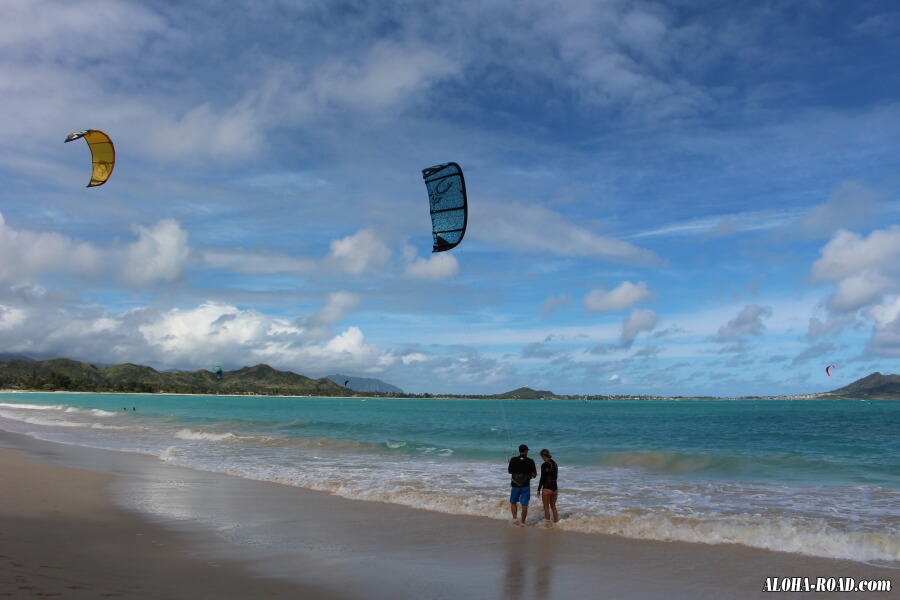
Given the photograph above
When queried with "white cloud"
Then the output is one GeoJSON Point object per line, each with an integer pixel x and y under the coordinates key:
{"type": "Point", "coordinates": [748, 322]}
{"type": "Point", "coordinates": [413, 357]}
{"type": "Point", "coordinates": [623, 296]}
{"type": "Point", "coordinates": [359, 252]}
{"type": "Point", "coordinates": [864, 268]}
{"type": "Point", "coordinates": [859, 290]}
{"type": "Point", "coordinates": [160, 253]}
{"type": "Point", "coordinates": [438, 266]}
{"type": "Point", "coordinates": [27, 256]}
{"type": "Point", "coordinates": [190, 334]}
{"type": "Point", "coordinates": [885, 340]}
{"type": "Point", "coordinates": [188, 338]}
{"type": "Point", "coordinates": [11, 317]}
{"type": "Point", "coordinates": [848, 254]}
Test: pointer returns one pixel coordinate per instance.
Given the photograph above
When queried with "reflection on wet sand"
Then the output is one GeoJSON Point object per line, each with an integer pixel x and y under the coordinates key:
{"type": "Point", "coordinates": [529, 565]}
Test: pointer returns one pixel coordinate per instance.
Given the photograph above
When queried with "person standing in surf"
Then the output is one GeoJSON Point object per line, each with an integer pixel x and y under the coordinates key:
{"type": "Point", "coordinates": [523, 471]}
{"type": "Point", "coordinates": [547, 485]}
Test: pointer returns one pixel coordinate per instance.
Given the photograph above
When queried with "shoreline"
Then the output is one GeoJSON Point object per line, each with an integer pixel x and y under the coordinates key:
{"type": "Point", "coordinates": [293, 541]}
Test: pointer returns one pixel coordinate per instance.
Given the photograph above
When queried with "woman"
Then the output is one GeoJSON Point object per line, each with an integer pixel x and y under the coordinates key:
{"type": "Point", "coordinates": [547, 485]}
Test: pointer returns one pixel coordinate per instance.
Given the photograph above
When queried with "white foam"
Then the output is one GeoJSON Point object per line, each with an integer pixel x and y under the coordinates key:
{"type": "Point", "coordinates": [170, 454]}
{"type": "Point", "coordinates": [32, 406]}
{"type": "Point", "coordinates": [200, 435]}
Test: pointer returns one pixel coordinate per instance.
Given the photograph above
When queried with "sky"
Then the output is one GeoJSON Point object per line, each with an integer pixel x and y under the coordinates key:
{"type": "Point", "coordinates": [665, 198]}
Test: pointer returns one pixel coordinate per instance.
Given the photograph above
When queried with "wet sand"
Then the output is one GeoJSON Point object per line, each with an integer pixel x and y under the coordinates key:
{"type": "Point", "coordinates": [84, 523]}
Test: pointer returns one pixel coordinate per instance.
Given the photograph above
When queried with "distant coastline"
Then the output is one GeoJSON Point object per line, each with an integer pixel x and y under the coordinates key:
{"type": "Point", "coordinates": [67, 375]}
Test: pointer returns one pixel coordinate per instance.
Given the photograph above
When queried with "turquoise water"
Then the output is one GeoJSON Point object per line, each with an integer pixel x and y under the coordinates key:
{"type": "Point", "coordinates": [815, 477]}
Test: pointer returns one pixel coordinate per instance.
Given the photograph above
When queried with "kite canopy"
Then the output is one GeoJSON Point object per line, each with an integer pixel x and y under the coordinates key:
{"type": "Point", "coordinates": [829, 368]}
{"type": "Point", "coordinates": [449, 209]}
{"type": "Point", "coordinates": [102, 152]}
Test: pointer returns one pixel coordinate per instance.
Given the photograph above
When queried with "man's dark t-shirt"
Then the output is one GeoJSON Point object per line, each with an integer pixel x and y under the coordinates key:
{"type": "Point", "coordinates": [521, 468]}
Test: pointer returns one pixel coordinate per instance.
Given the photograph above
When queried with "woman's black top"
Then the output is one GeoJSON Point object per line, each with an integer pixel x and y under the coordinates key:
{"type": "Point", "coordinates": [549, 470]}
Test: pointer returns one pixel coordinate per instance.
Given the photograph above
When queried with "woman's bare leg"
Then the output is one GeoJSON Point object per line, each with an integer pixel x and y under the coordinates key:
{"type": "Point", "coordinates": [552, 501]}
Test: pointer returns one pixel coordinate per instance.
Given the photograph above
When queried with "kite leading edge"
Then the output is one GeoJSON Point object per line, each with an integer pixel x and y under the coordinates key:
{"type": "Point", "coordinates": [449, 208]}
{"type": "Point", "coordinates": [103, 154]}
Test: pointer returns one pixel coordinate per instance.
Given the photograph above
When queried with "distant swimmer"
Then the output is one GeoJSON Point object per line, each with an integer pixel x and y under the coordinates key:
{"type": "Point", "coordinates": [523, 471]}
{"type": "Point", "coordinates": [547, 483]}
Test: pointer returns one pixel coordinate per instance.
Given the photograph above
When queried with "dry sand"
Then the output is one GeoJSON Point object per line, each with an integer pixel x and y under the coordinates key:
{"type": "Point", "coordinates": [64, 532]}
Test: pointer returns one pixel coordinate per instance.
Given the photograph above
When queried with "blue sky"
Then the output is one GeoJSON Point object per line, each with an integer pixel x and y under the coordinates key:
{"type": "Point", "coordinates": [676, 198]}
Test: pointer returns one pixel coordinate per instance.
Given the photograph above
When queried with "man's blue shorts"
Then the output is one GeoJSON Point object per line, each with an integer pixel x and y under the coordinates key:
{"type": "Point", "coordinates": [520, 494]}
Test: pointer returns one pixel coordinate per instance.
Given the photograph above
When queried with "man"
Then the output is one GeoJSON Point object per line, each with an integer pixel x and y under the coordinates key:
{"type": "Point", "coordinates": [523, 471]}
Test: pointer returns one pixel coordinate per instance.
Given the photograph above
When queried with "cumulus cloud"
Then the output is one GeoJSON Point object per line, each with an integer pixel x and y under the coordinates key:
{"type": "Point", "coordinates": [413, 357]}
{"type": "Point", "coordinates": [848, 253]}
{"type": "Point", "coordinates": [885, 340]}
{"type": "Point", "coordinates": [749, 321]}
{"type": "Point", "coordinates": [434, 268]}
{"type": "Point", "coordinates": [11, 317]}
{"type": "Point", "coordinates": [27, 256]}
{"type": "Point", "coordinates": [160, 253]}
{"type": "Point", "coordinates": [865, 271]}
{"type": "Point", "coordinates": [863, 268]}
{"type": "Point", "coordinates": [623, 296]}
{"type": "Point", "coordinates": [358, 253]}
{"type": "Point", "coordinates": [638, 321]}
{"type": "Point", "coordinates": [190, 338]}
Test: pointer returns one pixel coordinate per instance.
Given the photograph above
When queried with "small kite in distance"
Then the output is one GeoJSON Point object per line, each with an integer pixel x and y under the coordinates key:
{"type": "Point", "coordinates": [103, 154]}
{"type": "Point", "coordinates": [829, 368]}
{"type": "Point", "coordinates": [448, 202]}
{"type": "Point", "coordinates": [346, 382]}
{"type": "Point", "coordinates": [218, 371]}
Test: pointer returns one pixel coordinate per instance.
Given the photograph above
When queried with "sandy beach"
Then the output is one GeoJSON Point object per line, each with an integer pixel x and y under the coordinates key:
{"type": "Point", "coordinates": [69, 527]}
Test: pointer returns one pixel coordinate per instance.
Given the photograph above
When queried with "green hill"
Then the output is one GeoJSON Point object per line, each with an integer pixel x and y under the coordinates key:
{"type": "Point", "coordinates": [872, 387]}
{"type": "Point", "coordinates": [64, 374]}
{"type": "Point", "coordinates": [525, 393]}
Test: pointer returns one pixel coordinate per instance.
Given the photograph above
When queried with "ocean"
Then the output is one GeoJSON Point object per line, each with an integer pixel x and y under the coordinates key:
{"type": "Point", "coordinates": [813, 477]}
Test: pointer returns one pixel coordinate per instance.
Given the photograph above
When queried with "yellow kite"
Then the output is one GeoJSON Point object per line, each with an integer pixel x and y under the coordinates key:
{"type": "Point", "coordinates": [102, 152]}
